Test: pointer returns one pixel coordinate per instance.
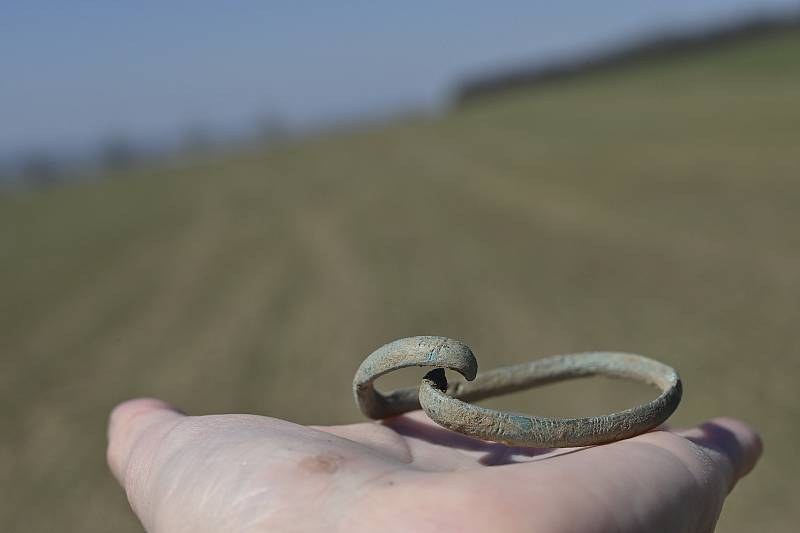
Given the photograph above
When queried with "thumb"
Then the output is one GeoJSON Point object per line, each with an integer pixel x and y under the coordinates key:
{"type": "Point", "coordinates": [135, 428]}
{"type": "Point", "coordinates": [732, 445]}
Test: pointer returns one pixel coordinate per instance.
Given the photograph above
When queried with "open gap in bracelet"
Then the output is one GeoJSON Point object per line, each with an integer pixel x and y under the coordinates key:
{"type": "Point", "coordinates": [409, 377]}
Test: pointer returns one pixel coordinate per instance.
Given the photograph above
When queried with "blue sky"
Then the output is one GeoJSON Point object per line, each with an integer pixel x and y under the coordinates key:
{"type": "Point", "coordinates": [73, 73]}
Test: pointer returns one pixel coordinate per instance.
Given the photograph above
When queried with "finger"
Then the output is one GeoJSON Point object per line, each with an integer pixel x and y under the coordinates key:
{"type": "Point", "coordinates": [734, 446]}
{"type": "Point", "coordinates": [130, 424]}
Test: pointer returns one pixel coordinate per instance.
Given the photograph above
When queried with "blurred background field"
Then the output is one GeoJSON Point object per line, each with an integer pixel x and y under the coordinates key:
{"type": "Point", "coordinates": [651, 208]}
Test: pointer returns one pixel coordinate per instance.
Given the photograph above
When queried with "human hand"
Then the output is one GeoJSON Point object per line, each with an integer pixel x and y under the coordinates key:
{"type": "Point", "coordinates": [245, 473]}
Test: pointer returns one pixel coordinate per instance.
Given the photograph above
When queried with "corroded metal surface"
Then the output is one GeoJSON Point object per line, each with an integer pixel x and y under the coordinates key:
{"type": "Point", "coordinates": [449, 407]}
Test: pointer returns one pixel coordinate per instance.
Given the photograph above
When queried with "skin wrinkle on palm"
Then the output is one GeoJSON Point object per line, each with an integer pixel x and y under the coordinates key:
{"type": "Point", "coordinates": [448, 406]}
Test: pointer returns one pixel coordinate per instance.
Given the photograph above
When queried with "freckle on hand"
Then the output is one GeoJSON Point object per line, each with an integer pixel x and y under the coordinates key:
{"type": "Point", "coordinates": [321, 464]}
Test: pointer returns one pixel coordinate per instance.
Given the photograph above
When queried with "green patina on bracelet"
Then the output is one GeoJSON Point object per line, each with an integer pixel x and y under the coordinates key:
{"type": "Point", "coordinates": [449, 407]}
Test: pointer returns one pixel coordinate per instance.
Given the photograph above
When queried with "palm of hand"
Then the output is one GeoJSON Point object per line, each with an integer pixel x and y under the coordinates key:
{"type": "Point", "coordinates": [252, 473]}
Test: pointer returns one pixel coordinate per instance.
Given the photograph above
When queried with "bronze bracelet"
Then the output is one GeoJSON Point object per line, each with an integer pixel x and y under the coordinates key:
{"type": "Point", "coordinates": [447, 405]}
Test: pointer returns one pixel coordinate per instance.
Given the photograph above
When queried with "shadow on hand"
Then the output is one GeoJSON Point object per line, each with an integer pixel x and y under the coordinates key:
{"type": "Point", "coordinates": [496, 453]}
{"type": "Point", "coordinates": [711, 436]}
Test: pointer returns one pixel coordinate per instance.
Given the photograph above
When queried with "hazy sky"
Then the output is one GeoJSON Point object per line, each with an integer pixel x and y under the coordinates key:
{"type": "Point", "coordinates": [74, 72]}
